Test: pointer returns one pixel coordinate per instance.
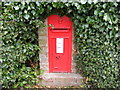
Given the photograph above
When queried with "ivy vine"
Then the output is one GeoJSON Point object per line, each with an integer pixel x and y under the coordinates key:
{"type": "Point", "coordinates": [96, 37]}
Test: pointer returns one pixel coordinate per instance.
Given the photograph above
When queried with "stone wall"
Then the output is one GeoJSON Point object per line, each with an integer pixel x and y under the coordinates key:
{"type": "Point", "coordinates": [43, 43]}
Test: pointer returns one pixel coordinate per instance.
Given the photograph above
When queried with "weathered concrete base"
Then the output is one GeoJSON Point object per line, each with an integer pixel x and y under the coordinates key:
{"type": "Point", "coordinates": [61, 79]}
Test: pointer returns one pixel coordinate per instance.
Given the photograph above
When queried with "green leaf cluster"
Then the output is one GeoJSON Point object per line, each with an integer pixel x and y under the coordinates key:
{"type": "Point", "coordinates": [20, 62]}
{"type": "Point", "coordinates": [97, 38]}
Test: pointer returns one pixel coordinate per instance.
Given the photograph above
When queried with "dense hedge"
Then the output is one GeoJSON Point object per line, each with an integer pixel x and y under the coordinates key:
{"type": "Point", "coordinates": [96, 38]}
{"type": "Point", "coordinates": [20, 47]}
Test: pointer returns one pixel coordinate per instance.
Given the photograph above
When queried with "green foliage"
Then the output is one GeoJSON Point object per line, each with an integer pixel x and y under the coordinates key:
{"type": "Point", "coordinates": [96, 38]}
{"type": "Point", "coordinates": [19, 46]}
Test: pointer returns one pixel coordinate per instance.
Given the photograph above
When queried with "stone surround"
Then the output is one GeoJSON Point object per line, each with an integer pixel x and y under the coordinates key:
{"type": "Point", "coordinates": [57, 79]}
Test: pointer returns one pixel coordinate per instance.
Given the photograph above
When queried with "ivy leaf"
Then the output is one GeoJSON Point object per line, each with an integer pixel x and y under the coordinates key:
{"type": "Point", "coordinates": [76, 4]}
{"type": "Point", "coordinates": [116, 28]}
{"type": "Point", "coordinates": [37, 3]}
{"type": "Point", "coordinates": [33, 12]}
{"type": "Point", "coordinates": [95, 12]}
{"type": "Point", "coordinates": [106, 17]}
{"type": "Point", "coordinates": [26, 16]}
{"type": "Point", "coordinates": [8, 3]}
{"type": "Point", "coordinates": [104, 5]}
{"type": "Point", "coordinates": [54, 4]}
{"type": "Point", "coordinates": [25, 11]}
{"type": "Point", "coordinates": [89, 1]}
{"type": "Point", "coordinates": [16, 85]}
{"type": "Point", "coordinates": [117, 35]}
{"type": "Point", "coordinates": [95, 1]}
{"type": "Point", "coordinates": [23, 3]}
{"type": "Point", "coordinates": [29, 8]}
{"type": "Point", "coordinates": [83, 1]}
{"type": "Point", "coordinates": [24, 50]}
{"type": "Point", "coordinates": [115, 4]}
{"type": "Point", "coordinates": [41, 10]}
{"type": "Point", "coordinates": [16, 7]}
{"type": "Point", "coordinates": [5, 32]}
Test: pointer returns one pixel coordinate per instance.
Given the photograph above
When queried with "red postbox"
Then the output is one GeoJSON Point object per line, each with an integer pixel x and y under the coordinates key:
{"type": "Point", "coordinates": [59, 43]}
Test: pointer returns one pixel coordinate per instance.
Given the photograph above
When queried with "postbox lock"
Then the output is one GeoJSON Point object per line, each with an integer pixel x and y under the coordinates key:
{"type": "Point", "coordinates": [58, 57]}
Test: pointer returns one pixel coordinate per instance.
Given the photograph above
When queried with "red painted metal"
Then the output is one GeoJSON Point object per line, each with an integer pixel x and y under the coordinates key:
{"type": "Point", "coordinates": [59, 27]}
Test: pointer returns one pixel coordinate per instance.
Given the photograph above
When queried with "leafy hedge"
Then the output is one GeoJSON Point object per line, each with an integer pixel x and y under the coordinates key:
{"type": "Point", "coordinates": [96, 38]}
{"type": "Point", "coordinates": [20, 47]}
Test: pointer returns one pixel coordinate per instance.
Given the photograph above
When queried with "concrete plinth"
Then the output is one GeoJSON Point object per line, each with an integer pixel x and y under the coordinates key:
{"type": "Point", "coordinates": [61, 79]}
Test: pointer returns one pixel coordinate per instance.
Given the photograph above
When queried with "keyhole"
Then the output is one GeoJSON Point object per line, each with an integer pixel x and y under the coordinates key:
{"type": "Point", "coordinates": [58, 57]}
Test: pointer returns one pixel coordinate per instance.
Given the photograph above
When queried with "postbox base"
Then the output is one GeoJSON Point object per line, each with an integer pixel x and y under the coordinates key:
{"type": "Point", "coordinates": [61, 79]}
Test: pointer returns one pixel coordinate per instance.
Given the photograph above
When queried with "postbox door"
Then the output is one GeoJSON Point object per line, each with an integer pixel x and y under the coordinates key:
{"type": "Point", "coordinates": [60, 49]}
{"type": "Point", "coordinates": [60, 60]}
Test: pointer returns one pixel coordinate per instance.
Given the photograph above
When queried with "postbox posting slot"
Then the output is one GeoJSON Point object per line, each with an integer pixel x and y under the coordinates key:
{"type": "Point", "coordinates": [55, 29]}
{"type": "Point", "coordinates": [60, 28]}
